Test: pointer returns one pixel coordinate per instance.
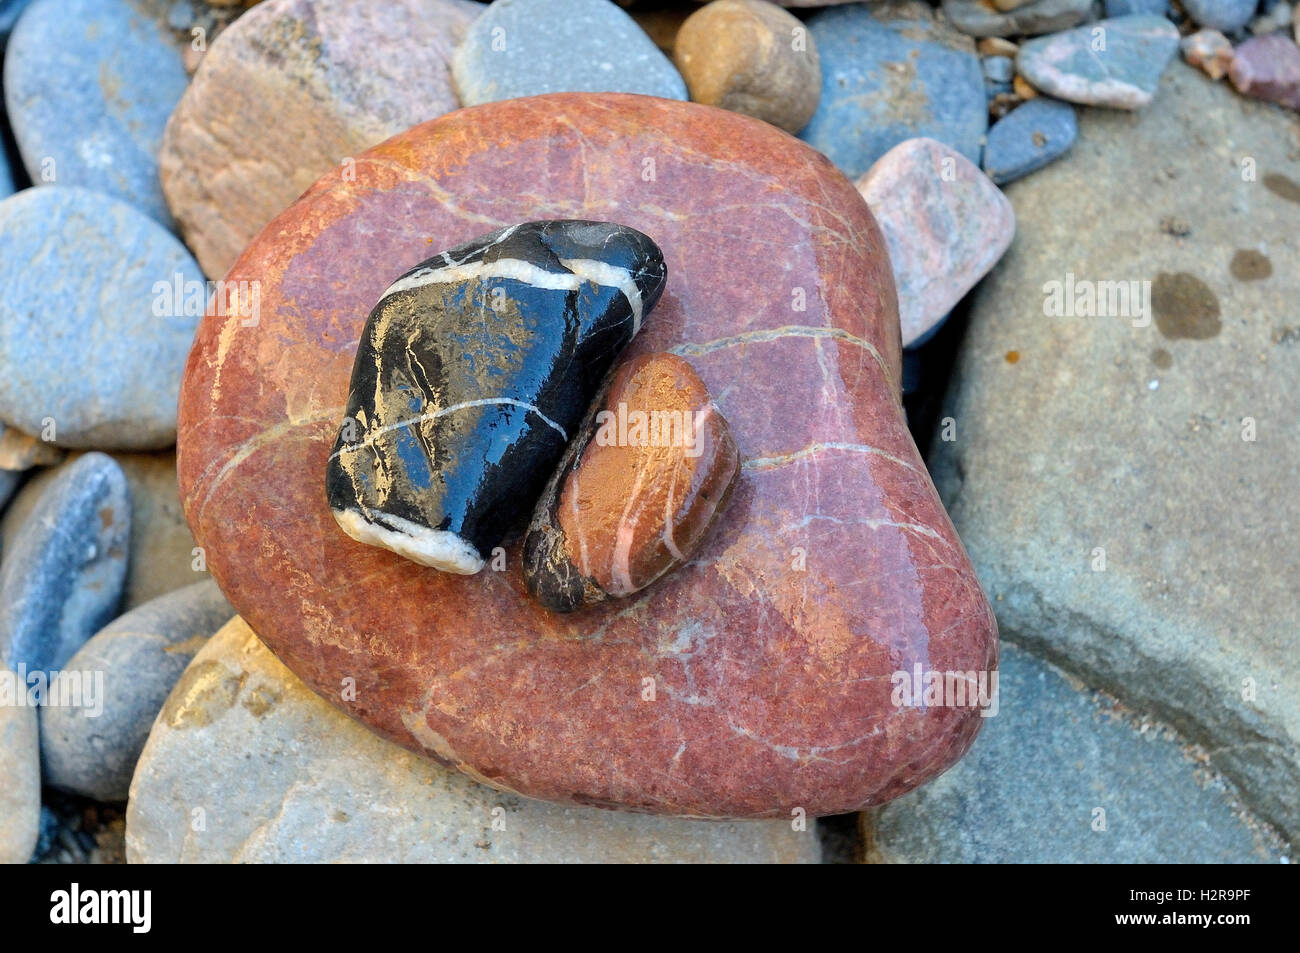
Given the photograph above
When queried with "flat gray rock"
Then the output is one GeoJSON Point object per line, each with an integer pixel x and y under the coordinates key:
{"type": "Point", "coordinates": [528, 47]}
{"type": "Point", "coordinates": [1114, 63]}
{"type": "Point", "coordinates": [61, 577]}
{"type": "Point", "coordinates": [1128, 448]}
{"type": "Point", "coordinates": [93, 751]}
{"type": "Point", "coordinates": [245, 764]}
{"type": "Point", "coordinates": [93, 337]}
{"type": "Point", "coordinates": [978, 18]}
{"type": "Point", "coordinates": [1061, 773]}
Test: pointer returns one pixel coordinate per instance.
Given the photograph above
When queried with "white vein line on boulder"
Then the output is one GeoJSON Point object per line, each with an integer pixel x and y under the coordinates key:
{"type": "Point", "coordinates": [776, 334]}
{"type": "Point", "coordinates": [777, 460]}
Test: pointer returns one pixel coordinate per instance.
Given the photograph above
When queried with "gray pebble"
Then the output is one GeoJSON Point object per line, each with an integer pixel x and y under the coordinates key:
{"type": "Point", "coordinates": [140, 654]}
{"type": "Point", "coordinates": [62, 574]}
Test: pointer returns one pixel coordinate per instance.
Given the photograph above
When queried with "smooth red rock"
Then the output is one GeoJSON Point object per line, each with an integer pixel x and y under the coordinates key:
{"type": "Point", "coordinates": [1268, 67]}
{"type": "Point", "coordinates": [754, 681]}
{"type": "Point", "coordinates": [636, 492]}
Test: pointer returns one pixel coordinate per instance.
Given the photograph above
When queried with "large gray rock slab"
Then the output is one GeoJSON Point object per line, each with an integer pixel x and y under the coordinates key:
{"type": "Point", "coordinates": [1102, 476]}
{"type": "Point", "coordinates": [20, 782]}
{"type": "Point", "coordinates": [93, 751]}
{"type": "Point", "coordinates": [1063, 774]}
{"type": "Point", "coordinates": [245, 764]}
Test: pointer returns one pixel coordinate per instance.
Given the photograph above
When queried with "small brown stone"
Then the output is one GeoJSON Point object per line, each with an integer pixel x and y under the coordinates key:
{"type": "Point", "coordinates": [22, 451]}
{"type": "Point", "coordinates": [997, 46]}
{"type": "Point", "coordinates": [637, 492]}
{"type": "Point", "coordinates": [1210, 50]}
{"type": "Point", "coordinates": [751, 57]}
{"type": "Point", "coordinates": [1022, 88]}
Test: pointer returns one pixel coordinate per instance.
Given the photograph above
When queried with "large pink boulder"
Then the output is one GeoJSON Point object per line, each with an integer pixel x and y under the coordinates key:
{"type": "Point", "coordinates": [755, 681]}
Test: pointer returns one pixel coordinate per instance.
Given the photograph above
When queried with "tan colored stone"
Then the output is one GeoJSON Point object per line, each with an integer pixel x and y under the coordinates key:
{"type": "Point", "coordinates": [283, 777]}
{"type": "Point", "coordinates": [751, 57]}
{"type": "Point", "coordinates": [290, 90]}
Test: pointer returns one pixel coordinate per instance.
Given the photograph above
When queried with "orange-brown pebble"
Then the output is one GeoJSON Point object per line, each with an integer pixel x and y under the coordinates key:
{"type": "Point", "coordinates": [634, 499]}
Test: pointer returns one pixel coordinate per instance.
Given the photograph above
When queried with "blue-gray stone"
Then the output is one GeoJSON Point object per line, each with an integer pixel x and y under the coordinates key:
{"type": "Point", "coordinates": [89, 85]}
{"type": "Point", "coordinates": [62, 574]}
{"type": "Point", "coordinates": [980, 18]}
{"type": "Point", "coordinates": [93, 336]}
{"type": "Point", "coordinates": [1226, 16]}
{"type": "Point", "coordinates": [1123, 8]}
{"type": "Point", "coordinates": [1114, 63]}
{"type": "Point", "coordinates": [999, 69]}
{"type": "Point", "coordinates": [141, 654]}
{"type": "Point", "coordinates": [1059, 774]}
{"type": "Point", "coordinates": [527, 47]}
{"type": "Point", "coordinates": [1029, 137]}
{"type": "Point", "coordinates": [891, 74]}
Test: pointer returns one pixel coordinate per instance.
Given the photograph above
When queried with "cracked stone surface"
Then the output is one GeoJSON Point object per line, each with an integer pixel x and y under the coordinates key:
{"type": "Point", "coordinates": [753, 681]}
{"type": "Point", "coordinates": [320, 788]}
{"type": "Point", "coordinates": [1106, 436]}
{"type": "Point", "coordinates": [291, 90]}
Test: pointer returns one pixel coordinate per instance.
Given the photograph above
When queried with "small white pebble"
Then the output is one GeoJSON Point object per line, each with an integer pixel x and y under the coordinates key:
{"type": "Point", "coordinates": [1153, 385]}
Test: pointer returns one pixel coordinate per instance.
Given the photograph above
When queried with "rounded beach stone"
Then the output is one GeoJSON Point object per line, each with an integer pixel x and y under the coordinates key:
{"type": "Point", "coordinates": [526, 47]}
{"type": "Point", "coordinates": [322, 789]}
{"type": "Point", "coordinates": [1268, 68]}
{"type": "Point", "coordinates": [946, 225]}
{"type": "Point", "coordinates": [61, 578]}
{"type": "Point", "coordinates": [291, 90]}
{"type": "Point", "coordinates": [1226, 16]}
{"type": "Point", "coordinates": [975, 18]}
{"type": "Point", "coordinates": [753, 681]}
{"type": "Point", "coordinates": [92, 751]}
{"type": "Point", "coordinates": [89, 86]}
{"type": "Point", "coordinates": [751, 57]}
{"type": "Point", "coordinates": [20, 780]}
{"type": "Point", "coordinates": [1028, 138]}
{"type": "Point", "coordinates": [639, 487]}
{"type": "Point", "coordinates": [890, 73]}
{"type": "Point", "coordinates": [89, 348]}
{"type": "Point", "coordinates": [162, 556]}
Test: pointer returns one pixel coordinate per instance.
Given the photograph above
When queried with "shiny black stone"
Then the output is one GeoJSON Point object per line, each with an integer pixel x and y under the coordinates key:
{"type": "Point", "coordinates": [473, 373]}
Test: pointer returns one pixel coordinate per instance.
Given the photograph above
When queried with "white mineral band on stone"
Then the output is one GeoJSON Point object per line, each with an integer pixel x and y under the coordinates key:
{"type": "Point", "coordinates": [444, 411]}
{"type": "Point", "coordinates": [583, 270]}
{"type": "Point", "coordinates": [437, 548]}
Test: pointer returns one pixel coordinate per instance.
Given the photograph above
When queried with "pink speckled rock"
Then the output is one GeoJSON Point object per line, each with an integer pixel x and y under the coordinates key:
{"type": "Point", "coordinates": [753, 681]}
{"type": "Point", "coordinates": [946, 224]}
{"type": "Point", "coordinates": [291, 90]}
{"type": "Point", "coordinates": [1268, 67]}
